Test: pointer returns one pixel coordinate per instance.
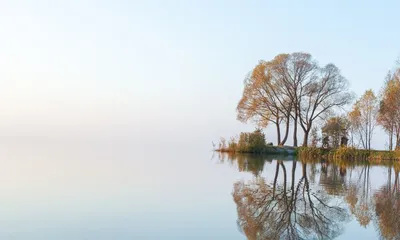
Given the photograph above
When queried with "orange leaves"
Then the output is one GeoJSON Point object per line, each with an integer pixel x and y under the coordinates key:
{"type": "Point", "coordinates": [389, 110]}
{"type": "Point", "coordinates": [258, 102]}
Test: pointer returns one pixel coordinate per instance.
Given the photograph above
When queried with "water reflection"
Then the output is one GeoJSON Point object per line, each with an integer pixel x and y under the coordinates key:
{"type": "Point", "coordinates": [253, 163]}
{"type": "Point", "coordinates": [288, 209]}
{"type": "Point", "coordinates": [387, 209]}
{"type": "Point", "coordinates": [306, 199]}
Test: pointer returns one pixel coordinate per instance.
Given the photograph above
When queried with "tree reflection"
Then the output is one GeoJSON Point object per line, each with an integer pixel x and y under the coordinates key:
{"type": "Point", "coordinates": [359, 196]}
{"type": "Point", "coordinates": [387, 208]}
{"type": "Point", "coordinates": [332, 178]}
{"type": "Point", "coordinates": [288, 209]}
{"type": "Point", "coordinates": [253, 163]}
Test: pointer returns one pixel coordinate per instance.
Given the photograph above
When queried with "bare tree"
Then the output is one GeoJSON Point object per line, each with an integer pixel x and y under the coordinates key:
{"type": "Point", "coordinates": [327, 91]}
{"type": "Point", "coordinates": [294, 71]}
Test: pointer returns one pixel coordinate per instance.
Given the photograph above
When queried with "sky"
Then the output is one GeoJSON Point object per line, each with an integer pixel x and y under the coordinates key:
{"type": "Point", "coordinates": [171, 71]}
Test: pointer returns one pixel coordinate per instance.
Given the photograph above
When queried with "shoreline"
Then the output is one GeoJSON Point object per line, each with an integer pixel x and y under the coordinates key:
{"type": "Point", "coordinates": [267, 150]}
{"type": "Point", "coordinates": [342, 153]}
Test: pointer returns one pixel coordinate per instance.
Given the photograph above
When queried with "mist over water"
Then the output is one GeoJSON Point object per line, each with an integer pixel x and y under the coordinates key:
{"type": "Point", "coordinates": [119, 189]}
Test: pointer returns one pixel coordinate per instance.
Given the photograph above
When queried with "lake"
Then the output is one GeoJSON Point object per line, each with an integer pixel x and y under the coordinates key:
{"type": "Point", "coordinates": [118, 190]}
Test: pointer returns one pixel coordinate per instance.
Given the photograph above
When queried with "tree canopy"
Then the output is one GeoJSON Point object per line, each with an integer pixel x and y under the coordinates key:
{"type": "Point", "coordinates": [295, 90]}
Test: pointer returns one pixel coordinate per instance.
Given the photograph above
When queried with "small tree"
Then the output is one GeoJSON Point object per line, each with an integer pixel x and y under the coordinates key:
{"type": "Point", "coordinates": [335, 128]}
{"type": "Point", "coordinates": [315, 138]}
{"type": "Point", "coordinates": [257, 141]}
{"type": "Point", "coordinates": [253, 142]}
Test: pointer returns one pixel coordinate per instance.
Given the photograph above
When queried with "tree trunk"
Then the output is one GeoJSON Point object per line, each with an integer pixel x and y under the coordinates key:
{"type": "Point", "coordinates": [295, 131]}
{"type": "Point", "coordinates": [366, 137]}
{"type": "Point", "coordinates": [305, 139]}
{"type": "Point", "coordinates": [306, 130]}
{"type": "Point", "coordinates": [389, 178]}
{"type": "Point", "coordinates": [286, 131]}
{"type": "Point", "coordinates": [278, 132]}
{"type": "Point", "coordinates": [369, 142]}
{"type": "Point", "coordinates": [391, 139]}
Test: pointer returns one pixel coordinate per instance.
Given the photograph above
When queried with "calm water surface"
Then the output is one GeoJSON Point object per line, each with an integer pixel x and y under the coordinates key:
{"type": "Point", "coordinates": [114, 190]}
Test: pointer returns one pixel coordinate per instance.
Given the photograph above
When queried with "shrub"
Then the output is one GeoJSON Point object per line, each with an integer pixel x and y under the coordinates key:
{"type": "Point", "coordinates": [253, 142]}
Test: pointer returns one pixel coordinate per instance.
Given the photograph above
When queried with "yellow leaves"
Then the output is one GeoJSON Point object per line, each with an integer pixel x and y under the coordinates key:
{"type": "Point", "coordinates": [258, 75]}
{"type": "Point", "coordinates": [354, 116]}
{"type": "Point", "coordinates": [367, 101]}
{"type": "Point", "coordinates": [389, 112]}
{"type": "Point", "coordinates": [257, 102]}
{"type": "Point", "coordinates": [366, 105]}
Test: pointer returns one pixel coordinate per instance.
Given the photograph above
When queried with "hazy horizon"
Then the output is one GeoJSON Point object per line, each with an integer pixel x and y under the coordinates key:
{"type": "Point", "coordinates": [171, 69]}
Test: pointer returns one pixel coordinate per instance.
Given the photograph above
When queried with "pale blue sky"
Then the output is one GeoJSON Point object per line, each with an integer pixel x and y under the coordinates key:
{"type": "Point", "coordinates": [171, 69]}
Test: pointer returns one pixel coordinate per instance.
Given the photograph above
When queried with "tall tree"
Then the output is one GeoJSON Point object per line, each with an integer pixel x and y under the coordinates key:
{"type": "Point", "coordinates": [292, 88]}
{"type": "Point", "coordinates": [293, 72]}
{"type": "Point", "coordinates": [263, 101]}
{"type": "Point", "coordinates": [389, 109]}
{"type": "Point", "coordinates": [365, 112]}
{"type": "Point", "coordinates": [327, 91]}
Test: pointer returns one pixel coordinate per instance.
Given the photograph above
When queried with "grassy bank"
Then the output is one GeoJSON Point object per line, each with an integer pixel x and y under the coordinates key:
{"type": "Point", "coordinates": [349, 154]}
{"type": "Point", "coordinates": [255, 143]}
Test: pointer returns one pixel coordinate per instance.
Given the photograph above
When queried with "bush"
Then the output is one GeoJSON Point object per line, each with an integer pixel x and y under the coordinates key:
{"type": "Point", "coordinates": [253, 142]}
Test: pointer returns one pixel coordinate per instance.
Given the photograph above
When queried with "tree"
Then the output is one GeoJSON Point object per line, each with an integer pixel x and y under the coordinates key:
{"type": "Point", "coordinates": [325, 92]}
{"type": "Point", "coordinates": [292, 87]}
{"type": "Point", "coordinates": [263, 102]}
{"type": "Point", "coordinates": [353, 118]}
{"type": "Point", "coordinates": [335, 128]}
{"type": "Point", "coordinates": [389, 108]}
{"type": "Point", "coordinates": [293, 72]}
{"type": "Point", "coordinates": [364, 115]}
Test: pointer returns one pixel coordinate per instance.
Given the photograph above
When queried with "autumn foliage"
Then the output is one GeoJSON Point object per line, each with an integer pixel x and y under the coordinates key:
{"type": "Point", "coordinates": [389, 109]}
{"type": "Point", "coordinates": [292, 90]}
